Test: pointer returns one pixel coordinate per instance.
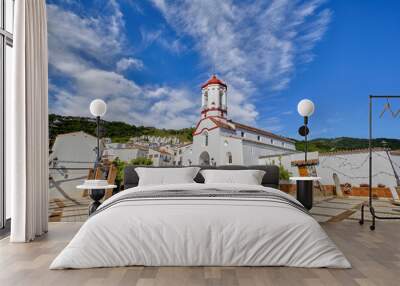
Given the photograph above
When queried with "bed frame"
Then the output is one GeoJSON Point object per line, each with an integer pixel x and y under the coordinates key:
{"type": "Point", "coordinates": [270, 179]}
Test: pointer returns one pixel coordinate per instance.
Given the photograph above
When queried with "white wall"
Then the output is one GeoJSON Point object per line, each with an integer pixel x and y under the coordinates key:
{"type": "Point", "coordinates": [252, 151]}
{"type": "Point", "coordinates": [184, 155]}
{"type": "Point", "coordinates": [353, 168]}
{"type": "Point", "coordinates": [74, 150]}
{"type": "Point", "coordinates": [229, 145]}
{"type": "Point", "coordinates": [199, 141]}
{"type": "Point", "coordinates": [350, 167]}
{"type": "Point", "coordinates": [265, 139]}
{"type": "Point", "coordinates": [396, 162]}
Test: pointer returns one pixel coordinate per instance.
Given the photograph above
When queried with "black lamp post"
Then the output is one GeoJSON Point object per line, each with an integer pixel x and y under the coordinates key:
{"type": "Point", "coordinates": [97, 108]}
{"type": "Point", "coordinates": [304, 192]}
{"type": "Point", "coordinates": [305, 109]}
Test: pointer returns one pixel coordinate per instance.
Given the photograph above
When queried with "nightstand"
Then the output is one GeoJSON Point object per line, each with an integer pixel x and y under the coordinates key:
{"type": "Point", "coordinates": [304, 193]}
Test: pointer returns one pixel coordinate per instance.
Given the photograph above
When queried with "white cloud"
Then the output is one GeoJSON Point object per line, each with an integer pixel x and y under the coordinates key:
{"type": "Point", "coordinates": [150, 37]}
{"type": "Point", "coordinates": [250, 44]}
{"type": "Point", "coordinates": [129, 63]}
{"type": "Point", "coordinates": [87, 56]}
{"type": "Point", "coordinates": [274, 124]}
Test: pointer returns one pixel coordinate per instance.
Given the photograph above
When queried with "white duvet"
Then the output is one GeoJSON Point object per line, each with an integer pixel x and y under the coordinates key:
{"type": "Point", "coordinates": [203, 232]}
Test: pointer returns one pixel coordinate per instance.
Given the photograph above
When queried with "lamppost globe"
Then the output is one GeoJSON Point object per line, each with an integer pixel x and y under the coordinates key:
{"type": "Point", "coordinates": [98, 107]}
{"type": "Point", "coordinates": [305, 107]}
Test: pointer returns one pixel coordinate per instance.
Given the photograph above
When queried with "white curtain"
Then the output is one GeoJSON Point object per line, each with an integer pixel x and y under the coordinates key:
{"type": "Point", "coordinates": [27, 124]}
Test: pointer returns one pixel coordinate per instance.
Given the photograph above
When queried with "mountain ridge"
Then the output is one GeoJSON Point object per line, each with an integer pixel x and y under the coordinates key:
{"type": "Point", "coordinates": [121, 132]}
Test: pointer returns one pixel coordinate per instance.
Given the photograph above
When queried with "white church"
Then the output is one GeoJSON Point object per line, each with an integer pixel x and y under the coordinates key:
{"type": "Point", "coordinates": [218, 140]}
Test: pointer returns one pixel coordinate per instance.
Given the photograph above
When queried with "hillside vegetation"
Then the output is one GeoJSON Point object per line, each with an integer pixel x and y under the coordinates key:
{"type": "Point", "coordinates": [121, 132]}
{"type": "Point", "coordinates": [346, 143]}
{"type": "Point", "coordinates": [117, 131]}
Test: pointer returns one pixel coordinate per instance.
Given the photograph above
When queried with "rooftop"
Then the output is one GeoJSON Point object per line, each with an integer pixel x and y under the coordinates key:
{"type": "Point", "coordinates": [353, 151]}
{"type": "Point", "coordinates": [214, 80]}
{"type": "Point", "coordinates": [261, 131]}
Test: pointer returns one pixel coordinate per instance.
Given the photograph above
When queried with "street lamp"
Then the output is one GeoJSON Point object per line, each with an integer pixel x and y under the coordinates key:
{"type": "Point", "coordinates": [98, 108]}
{"type": "Point", "coordinates": [305, 108]}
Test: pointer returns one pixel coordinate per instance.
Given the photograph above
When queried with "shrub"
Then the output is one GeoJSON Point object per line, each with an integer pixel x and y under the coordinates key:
{"type": "Point", "coordinates": [141, 161]}
{"type": "Point", "coordinates": [284, 174]}
{"type": "Point", "coordinates": [120, 165]}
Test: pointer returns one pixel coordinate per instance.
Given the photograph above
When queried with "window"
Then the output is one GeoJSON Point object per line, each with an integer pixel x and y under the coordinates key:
{"type": "Point", "coordinates": [155, 155]}
{"type": "Point", "coordinates": [205, 139]}
{"type": "Point", "coordinates": [6, 44]}
{"type": "Point", "coordinates": [258, 138]}
{"type": "Point", "coordinates": [242, 134]}
{"type": "Point", "coordinates": [272, 141]}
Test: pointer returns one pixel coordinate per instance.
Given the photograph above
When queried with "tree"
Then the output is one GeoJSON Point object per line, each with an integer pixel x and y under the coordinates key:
{"type": "Point", "coordinates": [120, 165]}
{"type": "Point", "coordinates": [141, 161]}
{"type": "Point", "coordinates": [284, 174]}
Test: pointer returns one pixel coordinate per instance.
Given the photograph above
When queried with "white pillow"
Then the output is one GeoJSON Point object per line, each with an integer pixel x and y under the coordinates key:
{"type": "Point", "coordinates": [166, 176]}
{"type": "Point", "coordinates": [248, 177]}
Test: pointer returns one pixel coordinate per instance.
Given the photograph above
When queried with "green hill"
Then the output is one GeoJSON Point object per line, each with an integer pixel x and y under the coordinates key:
{"type": "Point", "coordinates": [121, 132]}
{"type": "Point", "coordinates": [346, 143]}
{"type": "Point", "coordinates": [117, 131]}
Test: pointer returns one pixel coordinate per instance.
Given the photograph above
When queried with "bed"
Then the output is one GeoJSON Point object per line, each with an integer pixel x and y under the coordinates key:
{"type": "Point", "coordinates": [201, 224]}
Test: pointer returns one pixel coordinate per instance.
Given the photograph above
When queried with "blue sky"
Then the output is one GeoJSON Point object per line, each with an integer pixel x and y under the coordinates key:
{"type": "Point", "coordinates": [147, 59]}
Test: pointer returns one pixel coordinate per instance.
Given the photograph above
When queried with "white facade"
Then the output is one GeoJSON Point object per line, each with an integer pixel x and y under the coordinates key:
{"type": "Point", "coordinates": [160, 157]}
{"type": "Point", "coordinates": [181, 154]}
{"type": "Point", "coordinates": [219, 141]}
{"type": "Point", "coordinates": [350, 166]}
{"type": "Point", "coordinates": [125, 152]}
{"type": "Point", "coordinates": [71, 157]}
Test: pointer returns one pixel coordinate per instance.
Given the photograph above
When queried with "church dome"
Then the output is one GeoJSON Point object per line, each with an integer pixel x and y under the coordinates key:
{"type": "Point", "coordinates": [214, 80]}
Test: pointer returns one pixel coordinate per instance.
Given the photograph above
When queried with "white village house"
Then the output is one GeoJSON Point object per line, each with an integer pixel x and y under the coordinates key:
{"type": "Point", "coordinates": [220, 141]}
{"type": "Point", "coordinates": [124, 151]}
{"type": "Point", "coordinates": [160, 157]}
{"type": "Point", "coordinates": [69, 162]}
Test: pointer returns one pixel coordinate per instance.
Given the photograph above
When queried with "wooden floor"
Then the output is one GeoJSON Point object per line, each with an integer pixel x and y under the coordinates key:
{"type": "Point", "coordinates": [375, 257]}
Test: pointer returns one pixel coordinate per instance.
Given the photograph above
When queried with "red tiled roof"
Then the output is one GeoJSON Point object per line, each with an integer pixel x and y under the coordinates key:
{"type": "Point", "coordinates": [300, 163]}
{"type": "Point", "coordinates": [352, 151]}
{"type": "Point", "coordinates": [221, 124]}
{"type": "Point", "coordinates": [263, 132]}
{"type": "Point", "coordinates": [214, 80]}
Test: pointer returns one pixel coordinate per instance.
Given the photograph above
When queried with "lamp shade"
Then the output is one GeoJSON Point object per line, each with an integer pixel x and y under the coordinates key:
{"type": "Point", "coordinates": [305, 107]}
{"type": "Point", "coordinates": [98, 107]}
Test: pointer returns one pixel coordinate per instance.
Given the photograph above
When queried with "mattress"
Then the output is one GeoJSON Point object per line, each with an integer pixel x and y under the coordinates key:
{"type": "Point", "coordinates": [201, 225]}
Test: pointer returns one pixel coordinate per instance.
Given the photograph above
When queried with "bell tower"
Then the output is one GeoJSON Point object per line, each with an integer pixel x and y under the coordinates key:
{"type": "Point", "coordinates": [214, 99]}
